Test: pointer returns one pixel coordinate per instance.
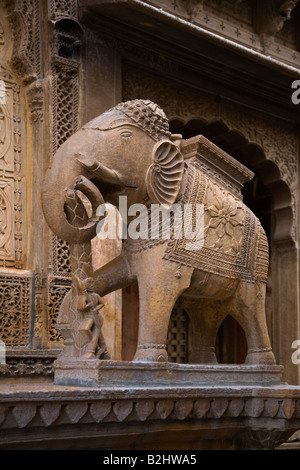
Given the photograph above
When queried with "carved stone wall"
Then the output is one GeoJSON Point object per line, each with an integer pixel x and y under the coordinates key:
{"type": "Point", "coordinates": [39, 68]}
{"type": "Point", "coordinates": [12, 170]}
{"type": "Point", "coordinates": [16, 284]}
{"type": "Point", "coordinates": [16, 308]}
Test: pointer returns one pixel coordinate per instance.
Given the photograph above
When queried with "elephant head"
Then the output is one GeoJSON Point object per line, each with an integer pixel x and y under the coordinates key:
{"type": "Point", "coordinates": [127, 151]}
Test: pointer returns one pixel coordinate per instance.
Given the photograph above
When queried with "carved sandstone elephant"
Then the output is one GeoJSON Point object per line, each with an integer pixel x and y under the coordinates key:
{"type": "Point", "coordinates": [129, 151]}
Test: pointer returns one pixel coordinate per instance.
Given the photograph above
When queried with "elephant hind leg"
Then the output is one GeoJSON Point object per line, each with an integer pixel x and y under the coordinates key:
{"type": "Point", "coordinates": [249, 311]}
{"type": "Point", "coordinates": [206, 317]}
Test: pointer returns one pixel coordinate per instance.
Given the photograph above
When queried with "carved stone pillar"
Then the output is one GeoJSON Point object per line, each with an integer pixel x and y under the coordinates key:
{"type": "Point", "coordinates": [286, 322]}
{"type": "Point", "coordinates": [38, 257]}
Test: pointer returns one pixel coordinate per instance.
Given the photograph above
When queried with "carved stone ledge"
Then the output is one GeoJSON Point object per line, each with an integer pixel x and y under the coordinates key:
{"type": "Point", "coordinates": [24, 363]}
{"type": "Point", "coordinates": [102, 373]}
{"type": "Point", "coordinates": [254, 417]}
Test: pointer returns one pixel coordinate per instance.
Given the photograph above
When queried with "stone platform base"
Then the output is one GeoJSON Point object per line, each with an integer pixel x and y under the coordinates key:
{"type": "Point", "coordinates": [141, 418]}
{"type": "Point", "coordinates": [96, 373]}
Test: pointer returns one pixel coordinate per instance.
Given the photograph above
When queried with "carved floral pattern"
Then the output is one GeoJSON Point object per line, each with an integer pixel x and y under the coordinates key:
{"type": "Point", "coordinates": [231, 236]}
{"type": "Point", "coordinates": [223, 219]}
{"type": "Point", "coordinates": [15, 301]}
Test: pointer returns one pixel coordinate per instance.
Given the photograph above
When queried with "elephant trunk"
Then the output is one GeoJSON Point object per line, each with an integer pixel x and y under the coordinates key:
{"type": "Point", "coordinates": [59, 179]}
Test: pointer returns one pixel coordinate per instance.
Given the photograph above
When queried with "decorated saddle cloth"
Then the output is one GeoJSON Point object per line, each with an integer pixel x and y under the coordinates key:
{"type": "Point", "coordinates": [234, 244]}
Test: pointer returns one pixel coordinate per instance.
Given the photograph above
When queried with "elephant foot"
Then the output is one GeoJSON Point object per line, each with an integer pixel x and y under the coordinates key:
{"type": "Point", "coordinates": [151, 353]}
{"type": "Point", "coordinates": [260, 356]}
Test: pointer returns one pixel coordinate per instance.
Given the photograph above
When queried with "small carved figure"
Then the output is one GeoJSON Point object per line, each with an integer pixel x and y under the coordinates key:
{"type": "Point", "coordinates": [129, 151]}
{"type": "Point", "coordinates": [90, 304]}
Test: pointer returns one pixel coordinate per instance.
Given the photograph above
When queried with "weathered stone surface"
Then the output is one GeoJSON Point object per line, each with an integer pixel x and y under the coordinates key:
{"type": "Point", "coordinates": [59, 417]}
{"type": "Point", "coordinates": [95, 373]}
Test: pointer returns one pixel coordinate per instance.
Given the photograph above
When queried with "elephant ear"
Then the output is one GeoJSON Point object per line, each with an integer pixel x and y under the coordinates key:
{"type": "Point", "coordinates": [164, 176]}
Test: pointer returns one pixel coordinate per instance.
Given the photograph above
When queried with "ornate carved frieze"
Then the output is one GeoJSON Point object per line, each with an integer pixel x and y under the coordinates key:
{"type": "Point", "coordinates": [11, 172]}
{"type": "Point", "coordinates": [27, 366]}
{"type": "Point", "coordinates": [7, 239]}
{"type": "Point", "coordinates": [24, 20]}
{"type": "Point", "coordinates": [60, 9]}
{"type": "Point", "coordinates": [65, 99]}
{"type": "Point", "coordinates": [280, 146]}
{"type": "Point", "coordinates": [257, 417]}
{"type": "Point", "coordinates": [16, 308]}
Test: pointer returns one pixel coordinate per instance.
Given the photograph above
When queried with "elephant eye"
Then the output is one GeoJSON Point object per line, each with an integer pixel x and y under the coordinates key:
{"type": "Point", "coordinates": [126, 134]}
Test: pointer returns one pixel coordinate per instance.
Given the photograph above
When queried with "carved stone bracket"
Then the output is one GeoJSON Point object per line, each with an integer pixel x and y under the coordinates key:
{"type": "Point", "coordinates": [269, 18]}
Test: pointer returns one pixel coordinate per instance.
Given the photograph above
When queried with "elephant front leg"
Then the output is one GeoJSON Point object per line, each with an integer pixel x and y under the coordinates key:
{"type": "Point", "coordinates": [110, 277]}
{"type": "Point", "coordinates": [158, 292]}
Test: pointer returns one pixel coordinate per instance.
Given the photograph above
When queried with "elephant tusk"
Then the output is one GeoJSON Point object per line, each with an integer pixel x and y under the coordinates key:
{"type": "Point", "coordinates": [101, 172]}
{"type": "Point", "coordinates": [90, 191]}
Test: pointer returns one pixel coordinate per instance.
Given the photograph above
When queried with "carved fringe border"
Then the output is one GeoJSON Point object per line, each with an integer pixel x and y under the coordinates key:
{"type": "Point", "coordinates": [50, 412]}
